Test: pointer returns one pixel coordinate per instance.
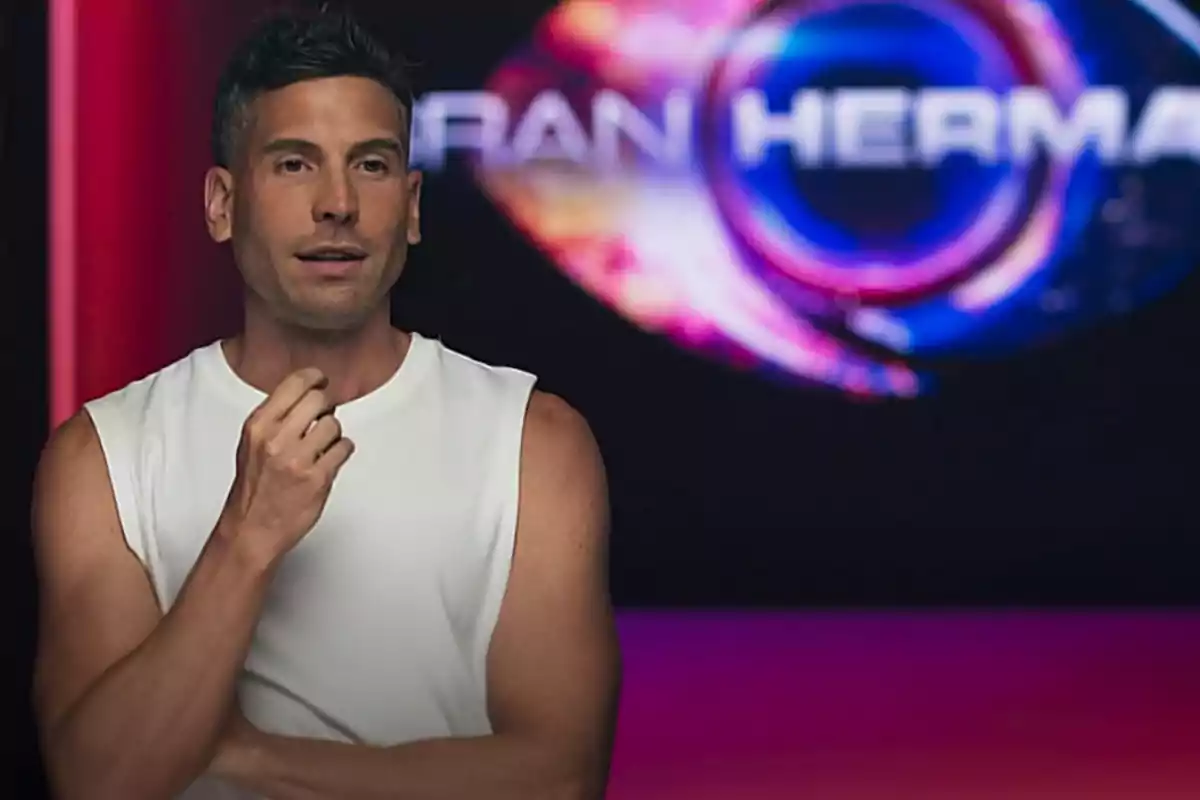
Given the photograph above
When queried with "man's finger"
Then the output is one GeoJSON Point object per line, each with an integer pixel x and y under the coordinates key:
{"type": "Point", "coordinates": [290, 391]}
{"type": "Point", "coordinates": [336, 455]}
{"type": "Point", "coordinates": [322, 433]}
{"type": "Point", "coordinates": [311, 407]}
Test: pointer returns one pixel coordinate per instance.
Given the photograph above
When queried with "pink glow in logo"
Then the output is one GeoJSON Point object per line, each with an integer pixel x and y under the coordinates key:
{"type": "Point", "coordinates": [845, 192]}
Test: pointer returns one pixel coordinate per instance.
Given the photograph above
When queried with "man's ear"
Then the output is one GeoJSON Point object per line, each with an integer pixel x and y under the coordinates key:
{"type": "Point", "coordinates": [414, 206]}
{"type": "Point", "coordinates": [218, 203]}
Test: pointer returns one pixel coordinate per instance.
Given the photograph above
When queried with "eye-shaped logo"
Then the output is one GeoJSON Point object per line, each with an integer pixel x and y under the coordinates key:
{"type": "Point", "coordinates": [850, 192]}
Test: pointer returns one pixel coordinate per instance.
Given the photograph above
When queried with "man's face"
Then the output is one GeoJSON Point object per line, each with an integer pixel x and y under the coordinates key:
{"type": "Point", "coordinates": [319, 206]}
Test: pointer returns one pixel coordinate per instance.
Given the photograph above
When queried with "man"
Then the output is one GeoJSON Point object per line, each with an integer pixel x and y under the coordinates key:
{"type": "Point", "coordinates": [325, 558]}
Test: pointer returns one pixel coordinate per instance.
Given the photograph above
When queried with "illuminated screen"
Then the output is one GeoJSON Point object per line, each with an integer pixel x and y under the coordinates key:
{"type": "Point", "coordinates": [848, 192]}
{"type": "Point", "coordinates": [850, 195]}
{"type": "Point", "coordinates": [738, 238]}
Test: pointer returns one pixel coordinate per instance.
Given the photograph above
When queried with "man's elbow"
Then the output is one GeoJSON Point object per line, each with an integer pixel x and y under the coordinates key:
{"type": "Point", "coordinates": [573, 787]}
{"type": "Point", "coordinates": [77, 770]}
{"type": "Point", "coordinates": [590, 787]}
{"type": "Point", "coordinates": [73, 776]}
{"type": "Point", "coordinates": [579, 778]}
{"type": "Point", "coordinates": [71, 772]}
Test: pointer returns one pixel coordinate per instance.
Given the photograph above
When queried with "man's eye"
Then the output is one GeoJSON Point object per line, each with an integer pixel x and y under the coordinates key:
{"type": "Point", "coordinates": [290, 165]}
{"type": "Point", "coordinates": [375, 165]}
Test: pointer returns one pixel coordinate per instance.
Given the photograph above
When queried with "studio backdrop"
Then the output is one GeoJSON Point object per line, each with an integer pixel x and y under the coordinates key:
{"type": "Point", "coordinates": [867, 302]}
{"type": "Point", "coordinates": [883, 302]}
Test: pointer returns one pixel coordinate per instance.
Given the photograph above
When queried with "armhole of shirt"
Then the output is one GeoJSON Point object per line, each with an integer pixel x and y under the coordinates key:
{"type": "Point", "coordinates": [507, 484]}
{"type": "Point", "coordinates": [118, 441]}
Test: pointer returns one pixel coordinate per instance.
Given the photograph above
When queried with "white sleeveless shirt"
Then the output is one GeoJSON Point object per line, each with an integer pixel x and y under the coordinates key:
{"type": "Point", "coordinates": [377, 625]}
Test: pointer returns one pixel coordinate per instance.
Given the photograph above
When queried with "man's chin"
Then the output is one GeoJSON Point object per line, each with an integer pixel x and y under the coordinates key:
{"type": "Point", "coordinates": [330, 320]}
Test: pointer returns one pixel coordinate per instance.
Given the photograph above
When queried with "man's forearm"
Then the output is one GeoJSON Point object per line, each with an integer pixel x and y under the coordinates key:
{"type": "Point", "coordinates": [495, 767]}
{"type": "Point", "coordinates": [149, 725]}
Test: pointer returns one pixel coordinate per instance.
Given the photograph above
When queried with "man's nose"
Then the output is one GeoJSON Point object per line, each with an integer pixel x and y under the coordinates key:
{"type": "Point", "coordinates": [337, 200]}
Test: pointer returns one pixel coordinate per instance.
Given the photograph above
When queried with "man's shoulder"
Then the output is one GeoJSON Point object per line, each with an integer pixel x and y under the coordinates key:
{"type": "Point", "coordinates": [70, 441]}
{"type": "Point", "coordinates": [563, 486]}
{"type": "Point", "coordinates": [461, 363]}
{"type": "Point", "coordinates": [558, 441]}
{"type": "Point", "coordinates": [70, 461]}
{"type": "Point", "coordinates": [139, 391]}
{"type": "Point", "coordinates": [483, 391]}
{"type": "Point", "coordinates": [551, 417]}
{"type": "Point", "coordinates": [137, 412]}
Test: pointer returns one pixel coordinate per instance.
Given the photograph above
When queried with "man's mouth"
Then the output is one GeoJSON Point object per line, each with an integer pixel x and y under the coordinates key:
{"type": "Point", "coordinates": [332, 253]}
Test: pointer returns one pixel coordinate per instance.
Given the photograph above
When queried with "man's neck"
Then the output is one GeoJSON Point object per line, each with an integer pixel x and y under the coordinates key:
{"type": "Point", "coordinates": [355, 362]}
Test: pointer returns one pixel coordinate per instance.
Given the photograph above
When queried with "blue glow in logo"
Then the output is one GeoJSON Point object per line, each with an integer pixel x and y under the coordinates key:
{"type": "Point", "coordinates": [850, 192]}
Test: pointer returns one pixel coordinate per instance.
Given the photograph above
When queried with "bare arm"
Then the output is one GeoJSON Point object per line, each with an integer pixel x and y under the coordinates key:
{"type": "Point", "coordinates": [553, 664]}
{"type": "Point", "coordinates": [130, 703]}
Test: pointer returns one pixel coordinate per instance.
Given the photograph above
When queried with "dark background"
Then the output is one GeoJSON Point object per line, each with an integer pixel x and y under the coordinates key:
{"type": "Point", "coordinates": [23, 260]}
{"type": "Point", "coordinates": [1060, 477]}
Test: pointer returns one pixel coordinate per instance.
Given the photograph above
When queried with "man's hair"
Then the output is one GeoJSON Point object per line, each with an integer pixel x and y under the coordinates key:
{"type": "Point", "coordinates": [297, 46]}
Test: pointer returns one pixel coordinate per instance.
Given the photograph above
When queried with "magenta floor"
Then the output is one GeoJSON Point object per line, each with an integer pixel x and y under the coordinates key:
{"type": "Point", "coordinates": [960, 706]}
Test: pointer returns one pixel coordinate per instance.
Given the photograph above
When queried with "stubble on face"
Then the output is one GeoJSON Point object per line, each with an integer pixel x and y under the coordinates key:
{"type": "Point", "coordinates": [325, 206]}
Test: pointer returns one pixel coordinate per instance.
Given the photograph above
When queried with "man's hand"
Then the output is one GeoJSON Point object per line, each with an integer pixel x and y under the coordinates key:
{"type": "Point", "coordinates": [290, 451]}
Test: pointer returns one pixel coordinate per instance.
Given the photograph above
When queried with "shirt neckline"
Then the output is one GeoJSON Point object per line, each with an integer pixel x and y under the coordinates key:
{"type": "Point", "coordinates": [420, 353]}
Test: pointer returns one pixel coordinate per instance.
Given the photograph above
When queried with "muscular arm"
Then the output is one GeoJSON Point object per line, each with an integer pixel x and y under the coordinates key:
{"type": "Point", "coordinates": [130, 703]}
{"type": "Point", "coordinates": [553, 664]}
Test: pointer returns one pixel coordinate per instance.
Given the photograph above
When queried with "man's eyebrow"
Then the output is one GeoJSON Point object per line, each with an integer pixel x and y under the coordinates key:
{"type": "Point", "coordinates": [291, 146]}
{"type": "Point", "coordinates": [384, 144]}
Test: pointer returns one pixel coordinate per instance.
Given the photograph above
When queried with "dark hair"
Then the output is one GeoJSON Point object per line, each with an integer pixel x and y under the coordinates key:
{"type": "Point", "coordinates": [296, 46]}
